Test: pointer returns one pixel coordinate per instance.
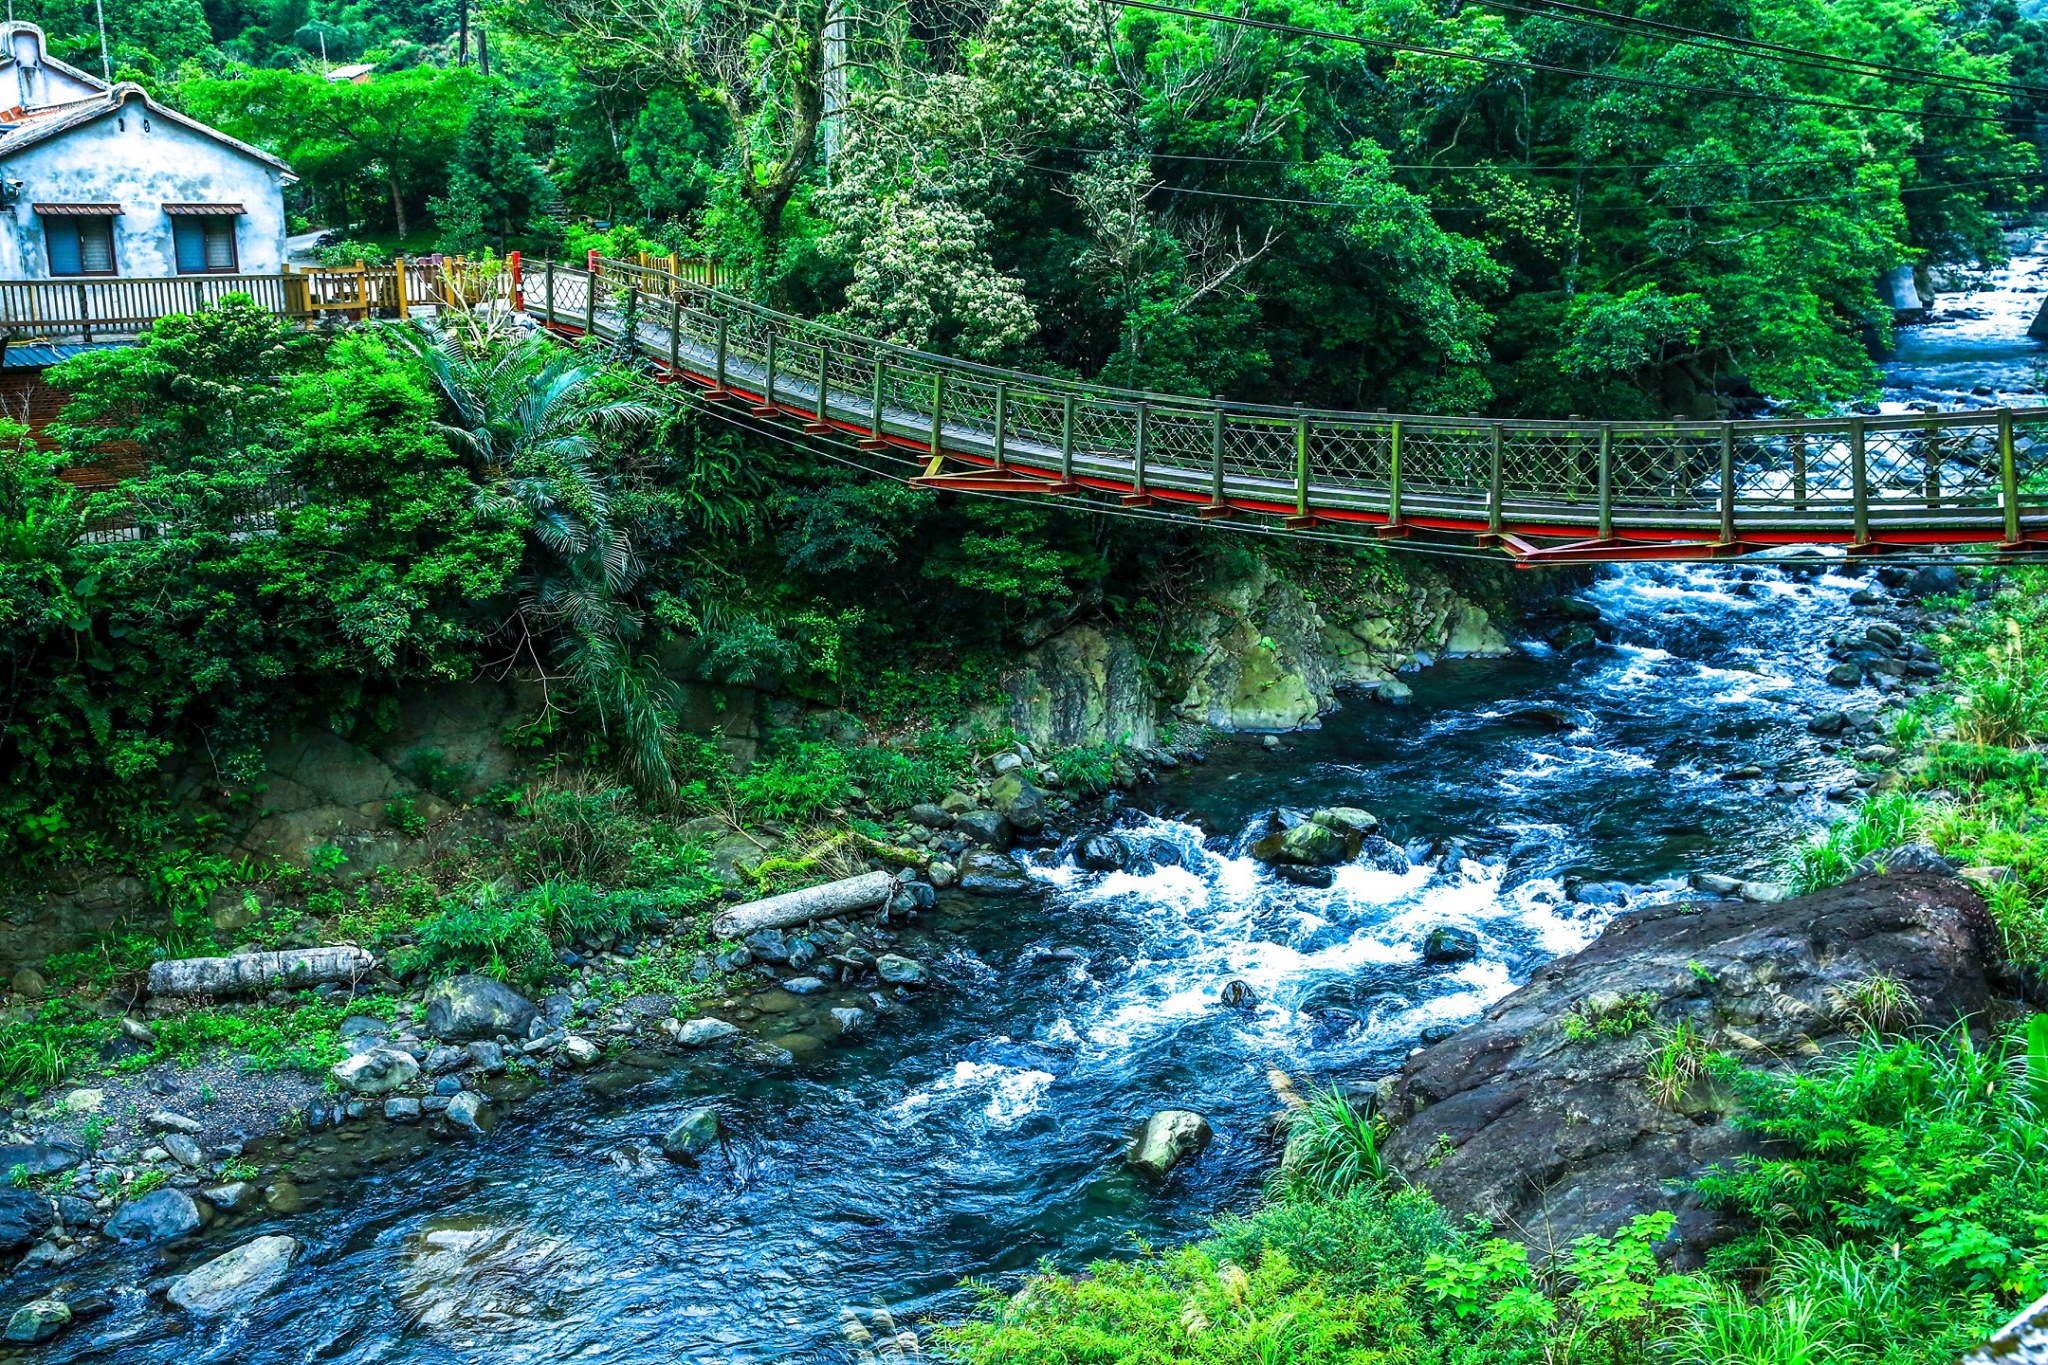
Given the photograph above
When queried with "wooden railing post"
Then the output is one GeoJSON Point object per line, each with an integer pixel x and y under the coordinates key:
{"type": "Point", "coordinates": [1727, 483]}
{"type": "Point", "coordinates": [1606, 478]}
{"type": "Point", "coordinates": [1002, 423]}
{"type": "Point", "coordinates": [2008, 477]}
{"type": "Point", "coordinates": [821, 420]}
{"type": "Point", "coordinates": [767, 405]}
{"type": "Point", "coordinates": [1494, 477]}
{"type": "Point", "coordinates": [1140, 441]}
{"type": "Point", "coordinates": [398, 286]}
{"type": "Point", "coordinates": [1067, 439]}
{"type": "Point", "coordinates": [1216, 497]}
{"type": "Point", "coordinates": [1394, 474]}
{"type": "Point", "coordinates": [675, 337]}
{"type": "Point", "coordinates": [1859, 484]}
{"type": "Point", "coordinates": [1301, 517]}
{"type": "Point", "coordinates": [875, 440]}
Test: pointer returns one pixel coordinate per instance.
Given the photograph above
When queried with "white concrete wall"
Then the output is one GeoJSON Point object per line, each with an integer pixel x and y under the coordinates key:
{"type": "Point", "coordinates": [141, 161]}
{"type": "Point", "coordinates": [29, 82]}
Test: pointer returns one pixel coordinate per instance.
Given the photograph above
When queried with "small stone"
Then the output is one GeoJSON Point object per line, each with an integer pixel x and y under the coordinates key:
{"type": "Point", "coordinates": [898, 970]}
{"type": "Point", "coordinates": [849, 1020]}
{"type": "Point", "coordinates": [1714, 884]}
{"type": "Point", "coordinates": [442, 1060]}
{"type": "Point", "coordinates": [137, 1032]}
{"type": "Point", "coordinates": [704, 1031]}
{"type": "Point", "coordinates": [183, 1150]}
{"type": "Point", "coordinates": [402, 1109]}
{"type": "Point", "coordinates": [1846, 675]}
{"type": "Point", "coordinates": [28, 983]}
{"type": "Point", "coordinates": [696, 1131]}
{"type": "Point", "coordinates": [486, 1056]}
{"type": "Point", "coordinates": [1393, 692]}
{"type": "Point", "coordinates": [230, 1196]}
{"type": "Point", "coordinates": [803, 985]}
{"type": "Point", "coordinates": [168, 1121]}
{"type": "Point", "coordinates": [1238, 995]}
{"type": "Point", "coordinates": [157, 1216]}
{"type": "Point", "coordinates": [466, 1007]}
{"type": "Point", "coordinates": [942, 873]}
{"type": "Point", "coordinates": [1101, 853]}
{"type": "Point", "coordinates": [37, 1321]}
{"type": "Point", "coordinates": [376, 1072]}
{"type": "Point", "coordinates": [580, 1051]}
{"type": "Point", "coordinates": [469, 1113]}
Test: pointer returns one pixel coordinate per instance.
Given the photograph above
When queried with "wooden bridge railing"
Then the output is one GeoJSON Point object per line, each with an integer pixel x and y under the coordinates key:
{"type": "Point", "coordinates": [1602, 489]}
{"type": "Point", "coordinates": [113, 309]}
{"type": "Point", "coordinates": [1675, 488]}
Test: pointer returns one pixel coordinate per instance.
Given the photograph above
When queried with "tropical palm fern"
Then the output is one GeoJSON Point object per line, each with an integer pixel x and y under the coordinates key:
{"type": "Point", "coordinates": [528, 415]}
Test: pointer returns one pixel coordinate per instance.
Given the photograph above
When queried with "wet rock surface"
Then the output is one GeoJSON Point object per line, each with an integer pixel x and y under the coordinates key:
{"type": "Point", "coordinates": [1550, 1137]}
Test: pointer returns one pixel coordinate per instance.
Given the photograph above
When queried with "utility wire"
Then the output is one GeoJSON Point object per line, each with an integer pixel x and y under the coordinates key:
{"type": "Point", "coordinates": [1545, 68]}
{"type": "Point", "coordinates": [1505, 167]}
{"type": "Point", "coordinates": [1797, 56]}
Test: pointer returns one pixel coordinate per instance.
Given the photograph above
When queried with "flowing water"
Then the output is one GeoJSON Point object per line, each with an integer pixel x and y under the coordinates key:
{"type": "Point", "coordinates": [978, 1128]}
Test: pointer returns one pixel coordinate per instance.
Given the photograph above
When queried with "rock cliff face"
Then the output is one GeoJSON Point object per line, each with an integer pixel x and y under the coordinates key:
{"type": "Point", "coordinates": [1549, 1137]}
{"type": "Point", "coordinates": [1261, 651]}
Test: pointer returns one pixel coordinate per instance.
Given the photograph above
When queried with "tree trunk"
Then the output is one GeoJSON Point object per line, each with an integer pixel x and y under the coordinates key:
{"type": "Point", "coordinates": [397, 205]}
{"type": "Point", "coordinates": [849, 894]}
{"type": "Point", "coordinates": [247, 973]}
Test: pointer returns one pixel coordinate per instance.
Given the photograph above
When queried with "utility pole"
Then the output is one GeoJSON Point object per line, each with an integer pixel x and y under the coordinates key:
{"type": "Point", "coordinates": [838, 16]}
{"type": "Point", "coordinates": [99, 13]}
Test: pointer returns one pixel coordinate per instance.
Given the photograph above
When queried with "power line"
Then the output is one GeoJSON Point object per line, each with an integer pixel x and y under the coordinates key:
{"type": "Point", "coordinates": [1545, 68]}
{"type": "Point", "coordinates": [1503, 168]}
{"type": "Point", "coordinates": [1797, 56]}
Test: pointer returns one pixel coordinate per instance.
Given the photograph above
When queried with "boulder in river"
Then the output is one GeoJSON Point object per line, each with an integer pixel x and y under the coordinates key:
{"type": "Point", "coordinates": [1448, 943]}
{"type": "Point", "coordinates": [898, 970]}
{"type": "Point", "coordinates": [1167, 1139]}
{"type": "Point", "coordinates": [1237, 995]}
{"type": "Point", "coordinates": [37, 1321]}
{"type": "Point", "coordinates": [698, 1130]}
{"type": "Point", "coordinates": [1315, 878]}
{"type": "Point", "coordinates": [1100, 853]}
{"type": "Point", "coordinates": [157, 1216]}
{"type": "Point", "coordinates": [465, 1007]}
{"type": "Point", "coordinates": [231, 1283]}
{"type": "Point", "coordinates": [1513, 1121]}
{"type": "Point", "coordinates": [1393, 692]}
{"type": "Point", "coordinates": [1308, 844]}
{"type": "Point", "coordinates": [983, 873]}
{"type": "Point", "coordinates": [1382, 855]}
{"type": "Point", "coordinates": [984, 827]}
{"type": "Point", "coordinates": [703, 1031]}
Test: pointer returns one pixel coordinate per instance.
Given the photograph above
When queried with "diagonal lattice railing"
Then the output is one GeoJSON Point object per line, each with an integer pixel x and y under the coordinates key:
{"type": "Point", "coordinates": [1694, 487]}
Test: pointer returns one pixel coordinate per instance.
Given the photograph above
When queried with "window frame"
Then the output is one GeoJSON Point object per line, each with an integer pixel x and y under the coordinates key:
{"type": "Point", "coordinates": [200, 222]}
{"type": "Point", "coordinates": [75, 224]}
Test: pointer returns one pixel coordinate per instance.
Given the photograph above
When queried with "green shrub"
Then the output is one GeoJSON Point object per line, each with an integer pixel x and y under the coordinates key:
{"type": "Point", "coordinates": [1086, 770]}
{"type": "Point", "coordinates": [797, 782]}
{"type": "Point", "coordinates": [1331, 1150]}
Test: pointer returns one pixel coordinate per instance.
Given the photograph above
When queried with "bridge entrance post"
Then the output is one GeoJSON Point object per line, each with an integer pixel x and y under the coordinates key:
{"type": "Point", "coordinates": [2008, 477]}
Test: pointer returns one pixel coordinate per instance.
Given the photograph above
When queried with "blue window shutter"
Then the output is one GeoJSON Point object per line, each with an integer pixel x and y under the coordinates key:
{"type": "Point", "coordinates": [65, 257]}
{"type": "Point", "coordinates": [190, 240]}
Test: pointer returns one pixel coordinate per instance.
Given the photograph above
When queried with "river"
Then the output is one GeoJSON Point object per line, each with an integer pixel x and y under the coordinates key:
{"type": "Point", "coordinates": [978, 1129]}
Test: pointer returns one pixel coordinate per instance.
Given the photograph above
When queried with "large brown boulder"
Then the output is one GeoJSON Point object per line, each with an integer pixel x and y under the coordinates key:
{"type": "Point", "coordinates": [1549, 1136]}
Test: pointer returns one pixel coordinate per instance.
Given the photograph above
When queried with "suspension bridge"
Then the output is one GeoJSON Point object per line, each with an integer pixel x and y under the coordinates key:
{"type": "Point", "coordinates": [1536, 491]}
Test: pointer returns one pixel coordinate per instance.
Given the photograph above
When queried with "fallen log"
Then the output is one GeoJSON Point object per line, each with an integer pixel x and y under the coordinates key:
{"type": "Point", "coordinates": [248, 973]}
{"type": "Point", "coordinates": [843, 897]}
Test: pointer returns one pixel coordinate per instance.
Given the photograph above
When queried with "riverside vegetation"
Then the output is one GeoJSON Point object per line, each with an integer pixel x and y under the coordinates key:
{"type": "Point", "coordinates": [1896, 1214]}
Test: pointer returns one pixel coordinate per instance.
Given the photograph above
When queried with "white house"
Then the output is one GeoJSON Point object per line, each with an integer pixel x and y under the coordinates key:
{"type": "Point", "coordinates": [99, 181]}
